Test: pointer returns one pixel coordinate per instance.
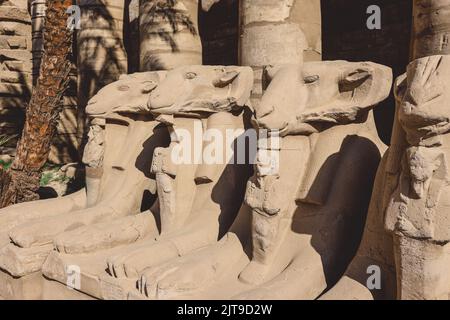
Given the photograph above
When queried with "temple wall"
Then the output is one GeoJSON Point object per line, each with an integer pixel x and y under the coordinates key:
{"type": "Point", "coordinates": [21, 40]}
{"type": "Point", "coordinates": [15, 69]}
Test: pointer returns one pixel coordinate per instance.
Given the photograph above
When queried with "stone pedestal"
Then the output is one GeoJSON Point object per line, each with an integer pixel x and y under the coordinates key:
{"type": "Point", "coordinates": [24, 288]}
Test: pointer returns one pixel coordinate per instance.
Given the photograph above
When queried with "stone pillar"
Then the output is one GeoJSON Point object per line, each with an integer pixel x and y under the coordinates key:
{"type": "Point", "coordinates": [418, 215]}
{"type": "Point", "coordinates": [169, 35]}
{"type": "Point", "coordinates": [431, 31]}
{"type": "Point", "coordinates": [279, 32]}
{"type": "Point", "coordinates": [15, 69]}
{"type": "Point", "coordinates": [101, 53]}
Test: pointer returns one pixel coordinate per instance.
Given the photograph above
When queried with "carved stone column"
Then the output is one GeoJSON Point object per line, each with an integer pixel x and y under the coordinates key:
{"type": "Point", "coordinates": [431, 32]}
{"type": "Point", "coordinates": [169, 35]}
{"type": "Point", "coordinates": [278, 32]}
{"type": "Point", "coordinates": [417, 214]}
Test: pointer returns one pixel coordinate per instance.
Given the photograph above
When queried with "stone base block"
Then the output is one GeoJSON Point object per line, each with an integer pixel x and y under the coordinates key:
{"type": "Point", "coordinates": [53, 290]}
{"type": "Point", "coordinates": [23, 288]}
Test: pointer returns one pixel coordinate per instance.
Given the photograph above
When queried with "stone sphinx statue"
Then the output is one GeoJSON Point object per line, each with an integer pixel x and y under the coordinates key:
{"type": "Point", "coordinates": [197, 201]}
{"type": "Point", "coordinates": [117, 183]}
{"type": "Point", "coordinates": [407, 231]}
{"type": "Point", "coordinates": [123, 100]}
{"type": "Point", "coordinates": [293, 236]}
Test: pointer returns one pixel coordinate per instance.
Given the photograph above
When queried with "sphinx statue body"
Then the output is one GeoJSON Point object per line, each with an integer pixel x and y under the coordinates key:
{"type": "Point", "coordinates": [197, 201]}
{"type": "Point", "coordinates": [291, 237]}
{"type": "Point", "coordinates": [416, 211]}
{"type": "Point", "coordinates": [117, 184]}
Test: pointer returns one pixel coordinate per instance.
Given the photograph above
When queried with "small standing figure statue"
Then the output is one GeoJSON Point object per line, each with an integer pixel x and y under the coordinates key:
{"type": "Point", "coordinates": [417, 210]}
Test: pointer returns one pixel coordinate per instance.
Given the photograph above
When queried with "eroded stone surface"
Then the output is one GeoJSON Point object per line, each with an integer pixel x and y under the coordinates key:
{"type": "Point", "coordinates": [187, 192]}
{"type": "Point", "coordinates": [406, 233]}
{"type": "Point", "coordinates": [109, 170]}
{"type": "Point", "coordinates": [416, 211]}
{"type": "Point", "coordinates": [296, 231]}
{"type": "Point", "coordinates": [281, 229]}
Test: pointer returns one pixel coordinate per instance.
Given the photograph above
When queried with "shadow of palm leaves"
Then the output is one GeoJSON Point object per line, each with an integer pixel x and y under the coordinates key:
{"type": "Point", "coordinates": [102, 56]}
{"type": "Point", "coordinates": [169, 12]}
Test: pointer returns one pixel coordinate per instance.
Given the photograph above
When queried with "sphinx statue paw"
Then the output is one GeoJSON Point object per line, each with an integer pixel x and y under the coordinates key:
{"type": "Point", "coordinates": [42, 232]}
{"type": "Point", "coordinates": [187, 279]}
{"type": "Point", "coordinates": [148, 283]}
{"type": "Point", "coordinates": [182, 276]}
{"type": "Point", "coordinates": [116, 263]}
{"type": "Point", "coordinates": [132, 264]}
{"type": "Point", "coordinates": [106, 235]}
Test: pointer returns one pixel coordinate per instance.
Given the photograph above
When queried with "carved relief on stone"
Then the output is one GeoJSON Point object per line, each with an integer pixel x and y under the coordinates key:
{"type": "Point", "coordinates": [94, 150]}
{"type": "Point", "coordinates": [430, 35]}
{"type": "Point", "coordinates": [128, 95]}
{"type": "Point", "coordinates": [407, 229]}
{"type": "Point", "coordinates": [282, 31]}
{"type": "Point", "coordinates": [417, 212]}
{"type": "Point", "coordinates": [278, 32]}
{"type": "Point", "coordinates": [417, 209]}
{"type": "Point", "coordinates": [165, 171]}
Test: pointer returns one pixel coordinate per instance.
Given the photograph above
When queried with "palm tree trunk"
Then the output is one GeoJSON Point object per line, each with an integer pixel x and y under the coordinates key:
{"type": "Point", "coordinates": [21, 181]}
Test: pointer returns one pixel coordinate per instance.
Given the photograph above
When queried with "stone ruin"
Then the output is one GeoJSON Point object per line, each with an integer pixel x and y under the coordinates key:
{"type": "Point", "coordinates": [318, 209]}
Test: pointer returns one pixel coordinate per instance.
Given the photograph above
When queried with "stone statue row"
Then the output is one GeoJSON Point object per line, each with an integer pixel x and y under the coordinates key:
{"type": "Point", "coordinates": [339, 209]}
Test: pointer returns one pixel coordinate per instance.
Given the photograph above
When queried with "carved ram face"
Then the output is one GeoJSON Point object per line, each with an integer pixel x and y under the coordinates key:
{"type": "Point", "coordinates": [127, 95]}
{"type": "Point", "coordinates": [300, 97]}
{"type": "Point", "coordinates": [202, 89]}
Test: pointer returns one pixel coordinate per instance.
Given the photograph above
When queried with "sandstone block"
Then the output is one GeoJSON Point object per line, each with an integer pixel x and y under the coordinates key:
{"type": "Point", "coordinates": [15, 89]}
{"type": "Point", "coordinates": [67, 121]}
{"type": "Point", "coordinates": [15, 77]}
{"type": "Point", "coordinates": [273, 44]}
{"type": "Point", "coordinates": [11, 42]}
{"type": "Point", "coordinates": [14, 14]}
{"type": "Point", "coordinates": [267, 10]}
{"type": "Point", "coordinates": [14, 28]}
